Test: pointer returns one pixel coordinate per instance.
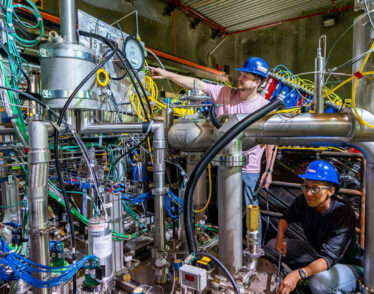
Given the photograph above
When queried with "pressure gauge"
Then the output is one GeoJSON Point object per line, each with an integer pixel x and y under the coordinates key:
{"type": "Point", "coordinates": [134, 52]}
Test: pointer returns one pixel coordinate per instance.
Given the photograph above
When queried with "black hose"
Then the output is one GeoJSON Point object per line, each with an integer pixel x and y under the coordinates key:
{"type": "Point", "coordinates": [224, 269]}
{"type": "Point", "coordinates": [126, 64]}
{"type": "Point", "coordinates": [136, 76]}
{"type": "Point", "coordinates": [213, 116]}
{"type": "Point", "coordinates": [18, 65]}
{"type": "Point", "coordinates": [209, 155]}
{"type": "Point", "coordinates": [116, 78]}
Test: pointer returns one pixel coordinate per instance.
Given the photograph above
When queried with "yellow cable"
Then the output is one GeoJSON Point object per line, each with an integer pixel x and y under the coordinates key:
{"type": "Point", "coordinates": [150, 149]}
{"type": "Point", "coordinates": [312, 148]}
{"type": "Point", "coordinates": [338, 86]}
{"type": "Point", "coordinates": [210, 191]}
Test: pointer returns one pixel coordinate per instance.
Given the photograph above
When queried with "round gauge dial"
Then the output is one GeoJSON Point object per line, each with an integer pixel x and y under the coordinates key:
{"type": "Point", "coordinates": [134, 52]}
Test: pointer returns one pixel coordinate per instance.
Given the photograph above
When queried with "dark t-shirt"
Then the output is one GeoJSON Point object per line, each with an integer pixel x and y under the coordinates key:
{"type": "Point", "coordinates": [331, 233]}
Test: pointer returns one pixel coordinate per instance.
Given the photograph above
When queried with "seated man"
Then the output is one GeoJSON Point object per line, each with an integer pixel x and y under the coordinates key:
{"type": "Point", "coordinates": [331, 255]}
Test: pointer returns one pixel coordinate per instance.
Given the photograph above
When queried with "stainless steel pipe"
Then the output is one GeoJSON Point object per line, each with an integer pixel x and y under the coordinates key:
{"type": "Point", "coordinates": [159, 189]}
{"type": "Point", "coordinates": [200, 194]}
{"type": "Point", "coordinates": [37, 194]}
{"type": "Point", "coordinates": [230, 199]}
{"type": "Point", "coordinates": [368, 151]}
{"type": "Point", "coordinates": [68, 21]}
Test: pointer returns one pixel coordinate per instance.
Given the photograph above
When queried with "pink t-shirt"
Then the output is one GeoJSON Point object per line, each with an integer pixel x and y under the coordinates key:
{"type": "Point", "coordinates": [232, 104]}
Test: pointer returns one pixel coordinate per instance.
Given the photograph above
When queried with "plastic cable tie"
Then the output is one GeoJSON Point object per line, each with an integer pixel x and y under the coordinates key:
{"type": "Point", "coordinates": [358, 75]}
{"type": "Point", "coordinates": [9, 10]}
{"type": "Point", "coordinates": [39, 19]}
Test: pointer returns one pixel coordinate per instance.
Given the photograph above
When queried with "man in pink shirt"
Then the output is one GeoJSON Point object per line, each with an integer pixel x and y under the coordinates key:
{"type": "Point", "coordinates": [244, 99]}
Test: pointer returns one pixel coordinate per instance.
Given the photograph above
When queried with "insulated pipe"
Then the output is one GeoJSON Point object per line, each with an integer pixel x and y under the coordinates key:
{"type": "Point", "coordinates": [159, 189]}
{"type": "Point", "coordinates": [188, 135]}
{"type": "Point", "coordinates": [230, 220]}
{"type": "Point", "coordinates": [37, 194]}
{"type": "Point", "coordinates": [200, 195]}
{"type": "Point", "coordinates": [104, 128]}
{"type": "Point", "coordinates": [68, 22]}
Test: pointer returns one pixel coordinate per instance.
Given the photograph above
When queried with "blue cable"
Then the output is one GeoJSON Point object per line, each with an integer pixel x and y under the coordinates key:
{"type": "Point", "coordinates": [23, 268]}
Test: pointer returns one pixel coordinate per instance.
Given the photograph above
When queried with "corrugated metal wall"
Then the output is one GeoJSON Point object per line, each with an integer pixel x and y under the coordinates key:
{"type": "Point", "coordinates": [236, 15]}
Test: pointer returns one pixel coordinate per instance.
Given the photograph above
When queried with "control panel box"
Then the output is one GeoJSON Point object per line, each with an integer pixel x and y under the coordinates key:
{"type": "Point", "coordinates": [193, 277]}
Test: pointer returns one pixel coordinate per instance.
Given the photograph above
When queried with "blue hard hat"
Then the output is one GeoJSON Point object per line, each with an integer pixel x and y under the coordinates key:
{"type": "Point", "coordinates": [320, 170]}
{"type": "Point", "coordinates": [256, 66]}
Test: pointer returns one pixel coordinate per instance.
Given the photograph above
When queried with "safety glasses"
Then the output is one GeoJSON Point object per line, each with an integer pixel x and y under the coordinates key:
{"type": "Point", "coordinates": [314, 189]}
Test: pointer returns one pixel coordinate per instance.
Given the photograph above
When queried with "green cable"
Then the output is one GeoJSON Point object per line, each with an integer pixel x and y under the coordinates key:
{"type": "Point", "coordinates": [206, 228]}
{"type": "Point", "coordinates": [9, 20]}
{"type": "Point", "coordinates": [132, 213]}
{"type": "Point", "coordinates": [11, 206]}
{"type": "Point", "coordinates": [85, 221]}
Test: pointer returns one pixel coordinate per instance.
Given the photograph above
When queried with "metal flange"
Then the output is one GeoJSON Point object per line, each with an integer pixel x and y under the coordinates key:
{"type": "Point", "coordinates": [231, 160]}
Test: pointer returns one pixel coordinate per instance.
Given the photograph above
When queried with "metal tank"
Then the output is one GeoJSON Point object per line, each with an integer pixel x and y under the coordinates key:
{"type": "Point", "coordinates": [188, 134]}
{"type": "Point", "coordinates": [100, 243]}
{"type": "Point", "coordinates": [64, 64]}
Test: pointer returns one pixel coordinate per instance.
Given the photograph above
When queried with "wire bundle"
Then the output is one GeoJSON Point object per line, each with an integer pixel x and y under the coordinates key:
{"type": "Point", "coordinates": [158, 105]}
{"type": "Point", "coordinates": [10, 13]}
{"type": "Point", "coordinates": [296, 95]}
{"type": "Point", "coordinates": [16, 267]}
{"type": "Point", "coordinates": [138, 198]}
{"type": "Point", "coordinates": [173, 205]}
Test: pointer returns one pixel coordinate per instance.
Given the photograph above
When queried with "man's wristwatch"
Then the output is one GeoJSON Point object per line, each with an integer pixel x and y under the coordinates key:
{"type": "Point", "coordinates": [302, 274]}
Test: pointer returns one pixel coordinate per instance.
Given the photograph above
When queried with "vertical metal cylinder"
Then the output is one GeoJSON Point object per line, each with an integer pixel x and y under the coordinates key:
{"type": "Point", "coordinates": [120, 167]}
{"type": "Point", "coordinates": [319, 66]}
{"type": "Point", "coordinates": [159, 191]}
{"type": "Point", "coordinates": [116, 215]}
{"type": "Point", "coordinates": [368, 150]}
{"type": "Point", "coordinates": [230, 199]}
{"type": "Point", "coordinates": [68, 22]}
{"type": "Point", "coordinates": [37, 194]}
{"type": "Point", "coordinates": [90, 210]}
{"type": "Point", "coordinates": [200, 194]}
{"type": "Point", "coordinates": [363, 36]}
{"type": "Point", "coordinates": [100, 243]}
{"type": "Point", "coordinates": [230, 217]}
{"type": "Point", "coordinates": [35, 88]}
{"type": "Point", "coordinates": [9, 197]}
